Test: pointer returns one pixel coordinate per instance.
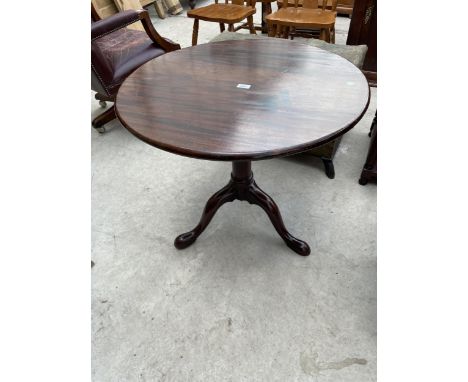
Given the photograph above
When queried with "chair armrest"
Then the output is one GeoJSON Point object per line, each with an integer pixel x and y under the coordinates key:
{"type": "Point", "coordinates": [164, 43]}
{"type": "Point", "coordinates": [122, 19]}
{"type": "Point", "coordinates": [113, 23]}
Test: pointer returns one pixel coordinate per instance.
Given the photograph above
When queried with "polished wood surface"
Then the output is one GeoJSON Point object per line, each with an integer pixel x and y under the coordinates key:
{"type": "Point", "coordinates": [225, 13]}
{"type": "Point", "coordinates": [228, 13]}
{"type": "Point", "coordinates": [307, 16]}
{"type": "Point", "coordinates": [242, 186]}
{"type": "Point", "coordinates": [300, 98]}
{"type": "Point", "coordinates": [302, 17]}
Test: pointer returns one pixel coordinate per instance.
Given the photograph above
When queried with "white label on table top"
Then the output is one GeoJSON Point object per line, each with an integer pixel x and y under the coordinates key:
{"type": "Point", "coordinates": [243, 86]}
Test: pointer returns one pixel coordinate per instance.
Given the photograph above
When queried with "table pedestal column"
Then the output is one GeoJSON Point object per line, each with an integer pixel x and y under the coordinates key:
{"type": "Point", "coordinates": [242, 186]}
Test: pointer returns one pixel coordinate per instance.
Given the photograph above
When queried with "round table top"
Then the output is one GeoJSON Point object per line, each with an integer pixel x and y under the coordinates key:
{"type": "Point", "coordinates": [243, 100]}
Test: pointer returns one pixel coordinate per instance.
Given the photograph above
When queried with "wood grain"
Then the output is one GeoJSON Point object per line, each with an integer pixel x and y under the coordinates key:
{"type": "Point", "coordinates": [223, 13]}
{"type": "Point", "coordinates": [303, 17]}
{"type": "Point", "coordinates": [230, 13]}
{"type": "Point", "coordinates": [300, 97]}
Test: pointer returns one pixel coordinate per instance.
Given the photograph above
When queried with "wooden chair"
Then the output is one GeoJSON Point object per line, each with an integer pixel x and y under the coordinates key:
{"type": "Point", "coordinates": [116, 51]}
{"type": "Point", "coordinates": [287, 19]}
{"type": "Point", "coordinates": [227, 13]}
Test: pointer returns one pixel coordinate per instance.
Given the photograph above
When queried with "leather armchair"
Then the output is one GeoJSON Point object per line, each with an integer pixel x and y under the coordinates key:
{"type": "Point", "coordinates": [117, 51]}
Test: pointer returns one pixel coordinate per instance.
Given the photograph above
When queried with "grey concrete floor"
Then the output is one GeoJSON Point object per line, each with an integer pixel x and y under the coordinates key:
{"type": "Point", "coordinates": [238, 305]}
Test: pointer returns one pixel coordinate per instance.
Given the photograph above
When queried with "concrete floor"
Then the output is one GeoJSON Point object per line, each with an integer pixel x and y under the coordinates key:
{"type": "Point", "coordinates": [238, 305]}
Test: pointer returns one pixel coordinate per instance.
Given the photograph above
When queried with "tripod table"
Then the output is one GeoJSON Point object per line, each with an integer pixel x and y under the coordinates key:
{"type": "Point", "coordinates": [243, 101]}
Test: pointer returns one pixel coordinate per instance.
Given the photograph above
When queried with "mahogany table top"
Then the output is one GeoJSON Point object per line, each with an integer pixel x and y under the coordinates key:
{"type": "Point", "coordinates": [243, 100]}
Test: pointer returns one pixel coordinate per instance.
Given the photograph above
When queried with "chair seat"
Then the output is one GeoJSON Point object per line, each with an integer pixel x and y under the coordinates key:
{"type": "Point", "coordinates": [303, 17]}
{"type": "Point", "coordinates": [223, 13]}
{"type": "Point", "coordinates": [300, 2]}
{"type": "Point", "coordinates": [124, 51]}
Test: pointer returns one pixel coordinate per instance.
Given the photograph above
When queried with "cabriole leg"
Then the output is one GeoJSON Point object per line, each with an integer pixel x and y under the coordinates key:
{"type": "Point", "coordinates": [243, 187]}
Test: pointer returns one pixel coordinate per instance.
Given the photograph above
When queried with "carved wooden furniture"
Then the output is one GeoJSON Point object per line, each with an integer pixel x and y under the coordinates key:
{"type": "Point", "coordinates": [117, 51]}
{"type": "Point", "coordinates": [227, 13]}
{"type": "Point", "coordinates": [309, 16]}
{"type": "Point", "coordinates": [369, 172]}
{"type": "Point", "coordinates": [363, 30]}
{"type": "Point", "coordinates": [242, 101]}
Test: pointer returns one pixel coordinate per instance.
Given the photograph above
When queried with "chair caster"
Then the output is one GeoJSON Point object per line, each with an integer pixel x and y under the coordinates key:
{"type": "Point", "coordinates": [103, 104]}
{"type": "Point", "coordinates": [99, 122]}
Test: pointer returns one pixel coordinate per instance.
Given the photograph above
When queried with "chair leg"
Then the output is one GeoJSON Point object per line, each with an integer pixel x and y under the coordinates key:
{"type": "Point", "coordinates": [99, 122]}
{"type": "Point", "coordinates": [292, 32]}
{"type": "Point", "coordinates": [271, 29]}
{"type": "Point", "coordinates": [325, 34]}
{"type": "Point", "coordinates": [221, 27]}
{"type": "Point", "coordinates": [279, 30]}
{"type": "Point", "coordinates": [266, 10]}
{"type": "Point", "coordinates": [332, 33]}
{"type": "Point", "coordinates": [286, 32]}
{"type": "Point", "coordinates": [195, 32]}
{"type": "Point", "coordinates": [231, 27]}
{"type": "Point", "coordinates": [322, 34]}
{"type": "Point", "coordinates": [251, 25]}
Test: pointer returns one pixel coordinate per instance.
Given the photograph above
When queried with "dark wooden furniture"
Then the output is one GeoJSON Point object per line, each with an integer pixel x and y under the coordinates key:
{"type": "Point", "coordinates": [242, 101]}
{"type": "Point", "coordinates": [117, 51]}
{"type": "Point", "coordinates": [369, 172]}
{"type": "Point", "coordinates": [363, 30]}
{"type": "Point", "coordinates": [354, 54]}
{"type": "Point", "coordinates": [227, 13]}
{"type": "Point", "coordinates": [307, 17]}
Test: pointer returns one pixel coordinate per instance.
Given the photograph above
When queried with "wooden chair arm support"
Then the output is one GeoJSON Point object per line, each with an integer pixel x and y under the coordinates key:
{"type": "Point", "coordinates": [164, 43]}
